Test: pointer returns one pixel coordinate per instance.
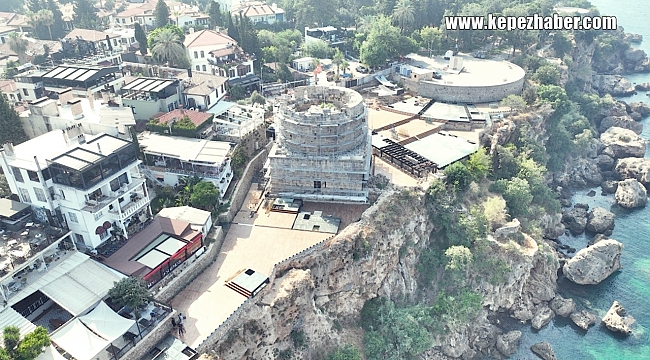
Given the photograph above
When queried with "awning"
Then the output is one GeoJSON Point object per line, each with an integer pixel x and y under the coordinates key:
{"type": "Point", "coordinates": [50, 354]}
{"type": "Point", "coordinates": [77, 340]}
{"type": "Point", "coordinates": [106, 322]}
{"type": "Point", "coordinates": [247, 80]}
{"type": "Point", "coordinates": [9, 208]}
{"type": "Point", "coordinates": [10, 317]}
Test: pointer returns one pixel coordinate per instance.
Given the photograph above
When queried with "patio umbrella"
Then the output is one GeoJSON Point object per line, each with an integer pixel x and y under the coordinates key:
{"type": "Point", "coordinates": [99, 230]}
{"type": "Point", "coordinates": [107, 225]}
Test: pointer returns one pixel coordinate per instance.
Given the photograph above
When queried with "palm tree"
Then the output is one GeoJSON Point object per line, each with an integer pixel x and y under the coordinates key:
{"type": "Point", "coordinates": [404, 13]}
{"type": "Point", "coordinates": [18, 44]}
{"type": "Point", "coordinates": [186, 187]}
{"type": "Point", "coordinates": [364, 23]}
{"type": "Point", "coordinates": [338, 60]}
{"type": "Point", "coordinates": [167, 46]}
{"type": "Point", "coordinates": [46, 18]}
{"type": "Point", "coordinates": [177, 15]}
{"type": "Point", "coordinates": [345, 65]}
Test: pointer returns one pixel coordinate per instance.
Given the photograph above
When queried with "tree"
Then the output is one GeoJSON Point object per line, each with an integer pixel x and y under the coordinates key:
{"type": "Point", "coordinates": [337, 60]}
{"type": "Point", "coordinates": [11, 128]}
{"type": "Point", "coordinates": [458, 176]}
{"type": "Point", "coordinates": [11, 5]}
{"type": "Point", "coordinates": [109, 5]}
{"type": "Point", "coordinates": [141, 38]}
{"type": "Point", "coordinates": [5, 190]}
{"type": "Point", "coordinates": [57, 27]}
{"type": "Point", "coordinates": [479, 164]}
{"type": "Point", "coordinates": [458, 258]}
{"type": "Point", "coordinates": [185, 188]}
{"type": "Point", "coordinates": [162, 14]}
{"type": "Point", "coordinates": [204, 195]}
{"type": "Point", "coordinates": [46, 18]}
{"type": "Point", "coordinates": [257, 98]}
{"type": "Point", "coordinates": [232, 29]}
{"type": "Point", "coordinates": [345, 66]}
{"type": "Point", "coordinates": [237, 92]}
{"type": "Point", "coordinates": [85, 15]}
{"type": "Point", "coordinates": [284, 73]}
{"type": "Point", "coordinates": [348, 352]}
{"type": "Point", "coordinates": [18, 44]}
{"type": "Point", "coordinates": [167, 46]}
{"type": "Point", "coordinates": [29, 348]}
{"type": "Point", "coordinates": [518, 196]}
{"type": "Point", "coordinates": [216, 18]}
{"type": "Point", "coordinates": [561, 44]}
{"type": "Point", "coordinates": [431, 37]}
{"type": "Point", "coordinates": [547, 75]}
{"type": "Point", "coordinates": [404, 14]}
{"type": "Point", "coordinates": [514, 102]}
{"type": "Point", "coordinates": [494, 209]}
{"type": "Point", "coordinates": [383, 42]}
{"type": "Point", "coordinates": [131, 292]}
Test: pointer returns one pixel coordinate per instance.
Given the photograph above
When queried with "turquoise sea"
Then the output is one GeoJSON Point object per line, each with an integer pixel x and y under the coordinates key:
{"type": "Point", "coordinates": [631, 285]}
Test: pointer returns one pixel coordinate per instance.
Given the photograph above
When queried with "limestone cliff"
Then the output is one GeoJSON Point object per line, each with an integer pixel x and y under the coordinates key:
{"type": "Point", "coordinates": [314, 301]}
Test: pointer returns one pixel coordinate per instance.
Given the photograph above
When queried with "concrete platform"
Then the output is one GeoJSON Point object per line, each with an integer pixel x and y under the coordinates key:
{"type": "Point", "coordinates": [381, 118]}
{"type": "Point", "coordinates": [415, 127]}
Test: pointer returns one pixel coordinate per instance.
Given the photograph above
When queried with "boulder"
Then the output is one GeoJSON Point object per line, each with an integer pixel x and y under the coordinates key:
{"type": "Point", "coordinates": [614, 85]}
{"type": "Point", "coordinates": [575, 219]}
{"type": "Point", "coordinates": [634, 55]}
{"type": "Point", "coordinates": [635, 38]}
{"type": "Point", "coordinates": [542, 318]}
{"type": "Point", "coordinates": [508, 343]}
{"type": "Point", "coordinates": [609, 186]}
{"type": "Point", "coordinates": [583, 319]}
{"type": "Point", "coordinates": [623, 142]}
{"type": "Point", "coordinates": [642, 87]}
{"type": "Point", "coordinates": [641, 107]}
{"type": "Point", "coordinates": [543, 350]}
{"type": "Point", "coordinates": [617, 319]}
{"type": "Point", "coordinates": [625, 122]}
{"type": "Point", "coordinates": [594, 264]}
{"type": "Point", "coordinates": [634, 168]}
{"type": "Point", "coordinates": [605, 162]}
{"type": "Point", "coordinates": [561, 306]}
{"type": "Point", "coordinates": [507, 230]}
{"type": "Point", "coordinates": [631, 194]}
{"type": "Point", "coordinates": [551, 225]}
{"type": "Point", "coordinates": [600, 221]}
{"type": "Point", "coordinates": [580, 173]}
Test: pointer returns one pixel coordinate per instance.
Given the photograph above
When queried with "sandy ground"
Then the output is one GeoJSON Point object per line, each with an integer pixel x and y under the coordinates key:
{"type": "Point", "coordinates": [379, 118]}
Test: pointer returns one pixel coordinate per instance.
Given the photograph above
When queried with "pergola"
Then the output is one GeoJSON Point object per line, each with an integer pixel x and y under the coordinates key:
{"type": "Point", "coordinates": [407, 160]}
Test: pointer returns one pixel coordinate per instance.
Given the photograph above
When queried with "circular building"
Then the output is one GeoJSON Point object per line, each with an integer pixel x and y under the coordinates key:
{"type": "Point", "coordinates": [464, 79]}
{"type": "Point", "coordinates": [322, 150]}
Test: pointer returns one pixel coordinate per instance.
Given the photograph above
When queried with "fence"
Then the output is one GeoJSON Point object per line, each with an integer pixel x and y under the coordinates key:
{"type": "Point", "coordinates": [220, 332]}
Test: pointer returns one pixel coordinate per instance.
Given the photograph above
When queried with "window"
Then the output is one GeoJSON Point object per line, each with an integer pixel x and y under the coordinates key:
{"type": "Point", "coordinates": [25, 92]}
{"type": "Point", "coordinates": [120, 199]}
{"type": "Point", "coordinates": [73, 218]}
{"type": "Point", "coordinates": [203, 67]}
{"type": "Point", "coordinates": [78, 238]}
{"type": "Point", "coordinates": [24, 195]}
{"type": "Point", "coordinates": [62, 194]}
{"type": "Point", "coordinates": [98, 215]}
{"type": "Point", "coordinates": [202, 54]}
{"type": "Point", "coordinates": [198, 68]}
{"type": "Point", "coordinates": [123, 22]}
{"type": "Point", "coordinates": [17, 174]}
{"type": "Point", "coordinates": [316, 184]}
{"type": "Point", "coordinates": [40, 195]}
{"type": "Point", "coordinates": [33, 176]}
{"type": "Point", "coordinates": [196, 55]}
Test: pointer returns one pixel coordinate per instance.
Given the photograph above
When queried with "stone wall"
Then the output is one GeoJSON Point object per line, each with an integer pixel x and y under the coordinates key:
{"type": "Point", "coordinates": [190, 269]}
{"type": "Point", "coordinates": [241, 190]}
{"type": "Point", "coordinates": [150, 340]}
{"type": "Point", "coordinates": [469, 94]}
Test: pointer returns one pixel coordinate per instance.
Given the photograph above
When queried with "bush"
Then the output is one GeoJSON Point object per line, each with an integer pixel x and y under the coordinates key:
{"type": "Point", "coordinates": [458, 176]}
{"type": "Point", "coordinates": [494, 209]}
{"type": "Point", "coordinates": [348, 352]}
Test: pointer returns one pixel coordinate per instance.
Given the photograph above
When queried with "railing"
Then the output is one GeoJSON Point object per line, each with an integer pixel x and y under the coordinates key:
{"type": "Point", "coordinates": [103, 201]}
{"type": "Point", "coordinates": [129, 209]}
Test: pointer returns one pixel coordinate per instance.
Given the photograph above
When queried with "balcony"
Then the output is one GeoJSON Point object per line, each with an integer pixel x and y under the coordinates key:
{"type": "Point", "coordinates": [129, 209]}
{"type": "Point", "coordinates": [101, 202]}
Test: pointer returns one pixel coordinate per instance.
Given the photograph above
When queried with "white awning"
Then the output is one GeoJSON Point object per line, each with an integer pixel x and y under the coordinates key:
{"type": "Point", "coordinates": [106, 322]}
{"type": "Point", "coordinates": [50, 354]}
{"type": "Point", "coordinates": [82, 287]}
{"type": "Point", "coordinates": [78, 341]}
{"type": "Point", "coordinates": [10, 317]}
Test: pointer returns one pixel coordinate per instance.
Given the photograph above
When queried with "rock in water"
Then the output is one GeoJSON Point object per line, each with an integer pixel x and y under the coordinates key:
{"type": "Point", "coordinates": [640, 107]}
{"type": "Point", "coordinates": [544, 350]}
{"type": "Point", "coordinates": [594, 264]}
{"type": "Point", "coordinates": [631, 194]}
{"type": "Point", "coordinates": [575, 219]}
{"type": "Point", "coordinates": [634, 168]}
{"type": "Point", "coordinates": [617, 319]}
{"type": "Point", "coordinates": [625, 122]}
{"type": "Point", "coordinates": [583, 319]}
{"type": "Point", "coordinates": [600, 221]}
{"type": "Point", "coordinates": [508, 343]}
{"type": "Point", "coordinates": [542, 318]}
{"type": "Point", "coordinates": [623, 143]}
{"type": "Point", "coordinates": [609, 186]}
{"type": "Point", "coordinates": [561, 306]}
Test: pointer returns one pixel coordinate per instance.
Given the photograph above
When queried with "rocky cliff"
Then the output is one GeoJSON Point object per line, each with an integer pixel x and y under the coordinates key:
{"type": "Point", "coordinates": [313, 303]}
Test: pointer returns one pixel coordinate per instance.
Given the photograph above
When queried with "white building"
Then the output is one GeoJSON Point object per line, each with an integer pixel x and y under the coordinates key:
{"type": "Point", "coordinates": [89, 182]}
{"type": "Point", "coordinates": [199, 44]}
{"type": "Point", "coordinates": [234, 120]}
{"type": "Point", "coordinates": [142, 14]}
{"type": "Point", "coordinates": [202, 90]}
{"type": "Point", "coordinates": [169, 158]}
{"type": "Point", "coordinates": [200, 220]}
{"type": "Point", "coordinates": [259, 12]}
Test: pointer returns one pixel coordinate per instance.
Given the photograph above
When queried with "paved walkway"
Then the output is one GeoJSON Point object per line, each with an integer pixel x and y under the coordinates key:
{"type": "Point", "coordinates": [207, 302]}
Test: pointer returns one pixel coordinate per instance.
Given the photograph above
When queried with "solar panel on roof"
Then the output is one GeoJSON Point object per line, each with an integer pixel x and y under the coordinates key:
{"type": "Point", "coordinates": [87, 75]}
{"type": "Point", "coordinates": [54, 71]}
{"type": "Point", "coordinates": [76, 74]}
{"type": "Point", "coordinates": [65, 73]}
{"type": "Point", "coordinates": [133, 83]}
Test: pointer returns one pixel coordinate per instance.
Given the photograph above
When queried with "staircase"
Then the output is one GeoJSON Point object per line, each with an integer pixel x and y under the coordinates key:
{"type": "Point", "coordinates": [426, 107]}
{"type": "Point", "coordinates": [240, 290]}
{"type": "Point", "coordinates": [150, 176]}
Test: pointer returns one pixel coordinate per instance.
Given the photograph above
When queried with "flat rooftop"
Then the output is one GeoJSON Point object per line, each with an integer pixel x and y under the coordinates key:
{"type": "Point", "coordinates": [184, 149]}
{"type": "Point", "coordinates": [476, 72]}
{"type": "Point", "coordinates": [316, 222]}
{"type": "Point", "coordinates": [443, 148]}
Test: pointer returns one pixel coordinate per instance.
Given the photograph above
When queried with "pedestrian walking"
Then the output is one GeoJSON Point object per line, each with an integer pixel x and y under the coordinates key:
{"type": "Point", "coordinates": [181, 329]}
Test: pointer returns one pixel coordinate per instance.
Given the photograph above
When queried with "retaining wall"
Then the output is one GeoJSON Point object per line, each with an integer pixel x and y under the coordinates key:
{"type": "Point", "coordinates": [151, 339]}
{"type": "Point", "coordinates": [469, 94]}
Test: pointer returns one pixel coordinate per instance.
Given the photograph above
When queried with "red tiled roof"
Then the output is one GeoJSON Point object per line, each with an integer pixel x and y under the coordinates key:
{"type": "Point", "coordinates": [8, 86]}
{"type": "Point", "coordinates": [207, 38]}
{"type": "Point", "coordinates": [252, 9]}
{"type": "Point", "coordinates": [197, 118]}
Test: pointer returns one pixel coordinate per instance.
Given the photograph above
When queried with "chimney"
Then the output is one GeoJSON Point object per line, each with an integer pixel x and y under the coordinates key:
{"type": "Point", "coordinates": [77, 110]}
{"type": "Point", "coordinates": [99, 149]}
{"type": "Point", "coordinates": [217, 29]}
{"type": "Point", "coordinates": [65, 96]}
{"type": "Point", "coordinates": [191, 30]}
{"type": "Point", "coordinates": [189, 72]}
{"type": "Point", "coordinates": [9, 149]}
